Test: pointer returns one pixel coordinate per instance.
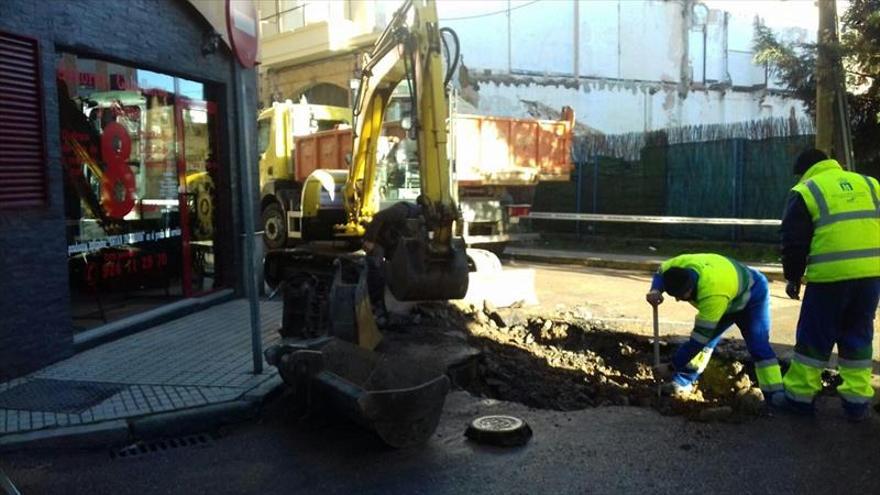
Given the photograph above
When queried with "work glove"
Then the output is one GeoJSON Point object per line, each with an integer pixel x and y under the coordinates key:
{"type": "Point", "coordinates": [654, 297]}
{"type": "Point", "coordinates": [793, 289]}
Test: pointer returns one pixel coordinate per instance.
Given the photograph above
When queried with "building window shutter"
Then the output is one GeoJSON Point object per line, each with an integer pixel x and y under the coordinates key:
{"type": "Point", "coordinates": [22, 141]}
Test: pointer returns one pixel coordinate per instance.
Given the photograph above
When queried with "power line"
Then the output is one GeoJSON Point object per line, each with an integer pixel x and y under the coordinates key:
{"type": "Point", "coordinates": [488, 13]}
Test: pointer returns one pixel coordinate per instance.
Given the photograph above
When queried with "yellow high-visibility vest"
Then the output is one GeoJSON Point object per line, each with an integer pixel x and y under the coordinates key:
{"type": "Point", "coordinates": [845, 210]}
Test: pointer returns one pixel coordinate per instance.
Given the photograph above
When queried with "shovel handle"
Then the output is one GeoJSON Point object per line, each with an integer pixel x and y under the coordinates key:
{"type": "Point", "coordinates": [656, 335]}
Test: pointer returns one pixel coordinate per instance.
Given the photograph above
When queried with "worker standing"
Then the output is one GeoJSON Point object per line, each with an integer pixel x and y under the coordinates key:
{"type": "Point", "coordinates": [831, 231]}
{"type": "Point", "coordinates": [724, 292]}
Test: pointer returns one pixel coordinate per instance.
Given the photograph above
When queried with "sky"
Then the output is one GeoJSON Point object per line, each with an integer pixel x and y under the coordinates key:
{"type": "Point", "coordinates": [777, 13]}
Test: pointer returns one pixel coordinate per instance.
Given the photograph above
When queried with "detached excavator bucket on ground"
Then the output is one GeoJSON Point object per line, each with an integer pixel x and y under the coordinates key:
{"type": "Point", "coordinates": [399, 398]}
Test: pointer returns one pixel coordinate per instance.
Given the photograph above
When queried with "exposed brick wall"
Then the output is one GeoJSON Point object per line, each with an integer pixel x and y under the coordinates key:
{"type": "Point", "coordinates": [160, 35]}
{"type": "Point", "coordinates": [288, 82]}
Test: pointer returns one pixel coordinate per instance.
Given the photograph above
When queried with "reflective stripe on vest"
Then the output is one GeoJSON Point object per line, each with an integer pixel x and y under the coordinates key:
{"type": "Point", "coordinates": [844, 255]}
{"type": "Point", "coordinates": [744, 291]}
{"type": "Point", "coordinates": [826, 218]}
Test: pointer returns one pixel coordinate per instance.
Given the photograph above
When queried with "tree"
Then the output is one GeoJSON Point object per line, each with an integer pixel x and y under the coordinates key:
{"type": "Point", "coordinates": [859, 48]}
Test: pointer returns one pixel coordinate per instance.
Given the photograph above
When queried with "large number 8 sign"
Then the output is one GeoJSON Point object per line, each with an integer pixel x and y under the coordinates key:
{"type": "Point", "coordinates": [117, 185]}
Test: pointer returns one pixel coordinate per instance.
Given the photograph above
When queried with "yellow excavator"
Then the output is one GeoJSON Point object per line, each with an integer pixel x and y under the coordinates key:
{"type": "Point", "coordinates": [332, 349]}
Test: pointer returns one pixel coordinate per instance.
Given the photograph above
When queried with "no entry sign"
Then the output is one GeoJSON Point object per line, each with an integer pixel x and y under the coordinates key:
{"type": "Point", "coordinates": [242, 22]}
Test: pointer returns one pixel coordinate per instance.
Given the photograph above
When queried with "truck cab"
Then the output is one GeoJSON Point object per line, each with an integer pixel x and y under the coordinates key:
{"type": "Point", "coordinates": [282, 168]}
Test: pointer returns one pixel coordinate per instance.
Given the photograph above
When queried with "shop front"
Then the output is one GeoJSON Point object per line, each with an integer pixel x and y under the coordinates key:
{"type": "Point", "coordinates": [140, 171]}
{"type": "Point", "coordinates": [123, 182]}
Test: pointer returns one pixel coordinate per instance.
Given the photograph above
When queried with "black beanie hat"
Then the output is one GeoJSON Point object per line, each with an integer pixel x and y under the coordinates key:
{"type": "Point", "coordinates": [677, 281]}
{"type": "Point", "coordinates": [807, 159]}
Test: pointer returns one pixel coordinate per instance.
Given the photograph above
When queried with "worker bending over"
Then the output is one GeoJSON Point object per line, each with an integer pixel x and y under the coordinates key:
{"type": "Point", "coordinates": [381, 238]}
{"type": "Point", "coordinates": [724, 292]}
{"type": "Point", "coordinates": [831, 230]}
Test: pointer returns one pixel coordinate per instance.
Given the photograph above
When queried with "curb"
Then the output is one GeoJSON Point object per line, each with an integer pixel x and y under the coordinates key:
{"type": "Point", "coordinates": [82, 436]}
{"type": "Point", "coordinates": [165, 424]}
{"type": "Point", "coordinates": [266, 391]}
{"type": "Point", "coordinates": [186, 421]}
{"type": "Point", "coordinates": [772, 273]}
{"type": "Point", "coordinates": [151, 318]}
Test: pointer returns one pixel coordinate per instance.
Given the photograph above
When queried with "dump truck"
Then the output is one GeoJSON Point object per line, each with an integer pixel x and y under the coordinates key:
{"type": "Point", "coordinates": [498, 162]}
{"type": "Point", "coordinates": [282, 172]}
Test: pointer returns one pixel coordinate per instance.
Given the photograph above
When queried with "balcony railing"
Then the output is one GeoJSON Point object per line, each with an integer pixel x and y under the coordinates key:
{"type": "Point", "coordinates": [304, 13]}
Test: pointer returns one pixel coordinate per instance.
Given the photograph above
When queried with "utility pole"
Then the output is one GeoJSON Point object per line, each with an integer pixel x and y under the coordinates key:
{"type": "Point", "coordinates": [832, 115]}
{"type": "Point", "coordinates": [824, 76]}
{"type": "Point", "coordinates": [251, 287]}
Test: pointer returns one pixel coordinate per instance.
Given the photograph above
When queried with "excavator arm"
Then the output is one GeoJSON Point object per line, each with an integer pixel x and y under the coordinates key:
{"type": "Point", "coordinates": [430, 262]}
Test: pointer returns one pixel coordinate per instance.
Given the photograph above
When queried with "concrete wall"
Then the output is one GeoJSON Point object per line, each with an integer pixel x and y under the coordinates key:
{"type": "Point", "coordinates": [636, 62]}
{"type": "Point", "coordinates": [160, 35]}
{"type": "Point", "coordinates": [617, 107]}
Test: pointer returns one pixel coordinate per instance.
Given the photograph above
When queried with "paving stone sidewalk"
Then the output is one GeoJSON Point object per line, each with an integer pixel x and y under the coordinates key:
{"type": "Point", "coordinates": [201, 359]}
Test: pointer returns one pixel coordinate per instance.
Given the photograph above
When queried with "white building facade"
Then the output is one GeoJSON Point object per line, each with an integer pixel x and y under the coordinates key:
{"type": "Point", "coordinates": [623, 65]}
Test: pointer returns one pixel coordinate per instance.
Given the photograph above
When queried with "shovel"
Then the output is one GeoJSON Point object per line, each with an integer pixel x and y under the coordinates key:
{"type": "Point", "coordinates": [656, 337]}
{"type": "Point", "coordinates": [657, 343]}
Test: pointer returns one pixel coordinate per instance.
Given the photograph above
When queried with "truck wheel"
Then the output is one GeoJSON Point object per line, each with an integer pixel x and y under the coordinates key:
{"type": "Point", "coordinates": [274, 227]}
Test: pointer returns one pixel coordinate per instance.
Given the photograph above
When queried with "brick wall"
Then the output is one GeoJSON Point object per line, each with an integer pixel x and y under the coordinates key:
{"type": "Point", "coordinates": [160, 35]}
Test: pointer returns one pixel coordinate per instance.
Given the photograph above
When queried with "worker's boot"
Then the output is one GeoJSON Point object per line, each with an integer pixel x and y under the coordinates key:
{"type": "Point", "coordinates": [781, 404]}
{"type": "Point", "coordinates": [676, 390]}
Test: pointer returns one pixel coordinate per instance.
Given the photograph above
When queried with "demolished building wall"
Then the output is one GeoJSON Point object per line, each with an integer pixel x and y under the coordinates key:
{"type": "Point", "coordinates": [623, 66]}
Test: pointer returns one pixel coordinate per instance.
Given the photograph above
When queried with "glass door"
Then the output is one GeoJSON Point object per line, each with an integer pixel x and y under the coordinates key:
{"type": "Point", "coordinates": [198, 169]}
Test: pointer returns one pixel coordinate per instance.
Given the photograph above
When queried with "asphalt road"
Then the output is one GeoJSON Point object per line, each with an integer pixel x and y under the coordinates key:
{"type": "Point", "coordinates": [602, 450]}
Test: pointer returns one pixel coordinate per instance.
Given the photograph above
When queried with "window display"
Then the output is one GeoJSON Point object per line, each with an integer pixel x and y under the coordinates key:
{"type": "Point", "coordinates": [140, 168]}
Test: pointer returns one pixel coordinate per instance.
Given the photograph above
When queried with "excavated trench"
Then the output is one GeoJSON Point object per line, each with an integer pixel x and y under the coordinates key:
{"type": "Point", "coordinates": [565, 363]}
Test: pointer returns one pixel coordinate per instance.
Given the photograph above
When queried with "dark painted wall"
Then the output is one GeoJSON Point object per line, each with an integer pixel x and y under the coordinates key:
{"type": "Point", "coordinates": [161, 35]}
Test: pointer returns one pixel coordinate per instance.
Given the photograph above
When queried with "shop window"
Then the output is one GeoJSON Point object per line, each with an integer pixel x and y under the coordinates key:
{"type": "Point", "coordinates": [22, 153]}
{"type": "Point", "coordinates": [139, 156]}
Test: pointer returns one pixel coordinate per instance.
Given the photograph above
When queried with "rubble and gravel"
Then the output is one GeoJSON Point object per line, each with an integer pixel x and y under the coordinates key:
{"type": "Point", "coordinates": [568, 361]}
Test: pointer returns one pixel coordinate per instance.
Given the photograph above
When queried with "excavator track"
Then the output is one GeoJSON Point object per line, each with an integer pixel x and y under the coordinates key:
{"type": "Point", "coordinates": [304, 276]}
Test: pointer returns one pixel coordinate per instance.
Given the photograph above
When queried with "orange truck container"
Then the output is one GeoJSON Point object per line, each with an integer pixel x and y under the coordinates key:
{"type": "Point", "coordinates": [499, 163]}
{"type": "Point", "coordinates": [488, 150]}
{"type": "Point", "coordinates": [508, 151]}
{"type": "Point", "coordinates": [321, 150]}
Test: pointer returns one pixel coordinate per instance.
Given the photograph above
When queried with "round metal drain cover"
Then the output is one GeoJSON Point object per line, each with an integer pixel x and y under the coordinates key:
{"type": "Point", "coordinates": [499, 429]}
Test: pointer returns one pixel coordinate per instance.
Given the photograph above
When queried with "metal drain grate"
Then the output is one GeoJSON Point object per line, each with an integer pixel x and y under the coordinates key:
{"type": "Point", "coordinates": [160, 445]}
{"type": "Point", "coordinates": [60, 396]}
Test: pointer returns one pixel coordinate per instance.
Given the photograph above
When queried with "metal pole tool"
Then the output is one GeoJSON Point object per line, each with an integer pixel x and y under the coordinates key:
{"type": "Point", "coordinates": [657, 342]}
{"type": "Point", "coordinates": [656, 336]}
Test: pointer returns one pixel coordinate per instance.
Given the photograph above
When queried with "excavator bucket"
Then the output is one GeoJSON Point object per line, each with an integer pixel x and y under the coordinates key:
{"type": "Point", "coordinates": [414, 274]}
{"type": "Point", "coordinates": [399, 398]}
{"type": "Point", "coordinates": [487, 281]}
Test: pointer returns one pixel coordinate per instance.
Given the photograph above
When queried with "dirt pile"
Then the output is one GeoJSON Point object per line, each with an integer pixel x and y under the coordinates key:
{"type": "Point", "coordinates": [565, 362]}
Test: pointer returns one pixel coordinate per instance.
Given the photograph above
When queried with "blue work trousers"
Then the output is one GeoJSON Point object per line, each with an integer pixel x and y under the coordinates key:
{"type": "Point", "coordinates": [753, 322]}
{"type": "Point", "coordinates": [842, 314]}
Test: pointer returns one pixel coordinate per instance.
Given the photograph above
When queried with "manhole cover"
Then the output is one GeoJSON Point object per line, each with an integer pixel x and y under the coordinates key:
{"type": "Point", "coordinates": [498, 429]}
{"type": "Point", "coordinates": [498, 423]}
{"type": "Point", "coordinates": [60, 396]}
